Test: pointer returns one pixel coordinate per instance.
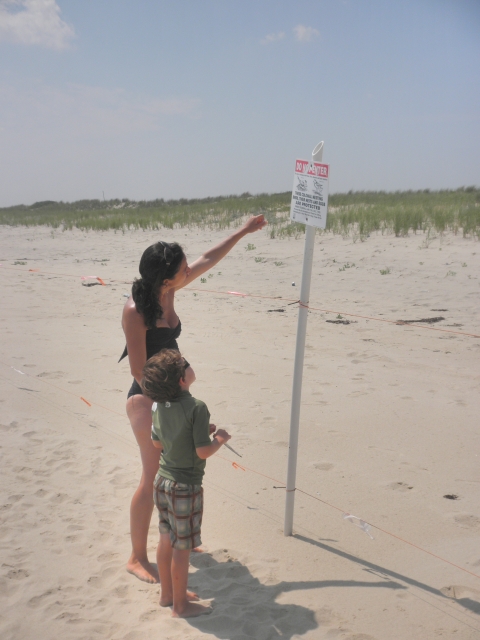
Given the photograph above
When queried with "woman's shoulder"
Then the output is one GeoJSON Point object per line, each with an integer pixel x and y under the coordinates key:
{"type": "Point", "coordinates": [129, 307]}
{"type": "Point", "coordinates": [130, 314]}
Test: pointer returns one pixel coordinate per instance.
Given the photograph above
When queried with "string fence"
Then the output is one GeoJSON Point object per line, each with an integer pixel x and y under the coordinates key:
{"type": "Point", "coordinates": [104, 282]}
{"type": "Point", "coordinates": [362, 524]}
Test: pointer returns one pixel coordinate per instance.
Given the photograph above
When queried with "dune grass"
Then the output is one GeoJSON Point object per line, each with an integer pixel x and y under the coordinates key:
{"type": "Point", "coordinates": [356, 214]}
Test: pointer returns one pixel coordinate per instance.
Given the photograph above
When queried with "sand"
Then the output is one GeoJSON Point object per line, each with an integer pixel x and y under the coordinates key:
{"type": "Point", "coordinates": [389, 426]}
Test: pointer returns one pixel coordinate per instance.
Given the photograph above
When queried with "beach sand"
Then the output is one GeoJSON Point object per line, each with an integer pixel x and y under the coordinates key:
{"type": "Point", "coordinates": [388, 427]}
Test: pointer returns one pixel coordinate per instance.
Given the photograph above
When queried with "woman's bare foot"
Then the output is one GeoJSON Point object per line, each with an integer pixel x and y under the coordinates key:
{"type": "Point", "coordinates": [143, 571]}
{"type": "Point", "coordinates": [192, 610]}
{"type": "Point", "coordinates": [167, 602]}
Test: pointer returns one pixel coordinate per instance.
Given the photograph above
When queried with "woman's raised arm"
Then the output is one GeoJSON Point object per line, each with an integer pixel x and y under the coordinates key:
{"type": "Point", "coordinates": [211, 257]}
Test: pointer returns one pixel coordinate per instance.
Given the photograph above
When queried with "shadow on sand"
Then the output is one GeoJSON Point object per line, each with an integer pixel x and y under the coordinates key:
{"type": "Point", "coordinates": [246, 609]}
{"type": "Point", "coordinates": [468, 603]}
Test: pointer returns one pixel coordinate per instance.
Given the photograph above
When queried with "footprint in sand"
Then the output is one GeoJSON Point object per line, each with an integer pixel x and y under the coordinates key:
{"type": "Point", "coordinates": [15, 498]}
{"type": "Point", "coordinates": [102, 580]}
{"type": "Point", "coordinates": [39, 601]}
{"type": "Point", "coordinates": [466, 596]}
{"type": "Point", "coordinates": [151, 614]}
{"type": "Point", "coordinates": [59, 498]}
{"type": "Point", "coordinates": [323, 466]}
{"type": "Point", "coordinates": [51, 375]}
{"type": "Point", "coordinates": [7, 427]}
{"type": "Point", "coordinates": [73, 618]}
{"type": "Point", "coordinates": [467, 521]}
{"type": "Point", "coordinates": [122, 592]}
{"type": "Point", "coordinates": [399, 486]}
{"type": "Point", "coordinates": [17, 574]}
{"type": "Point", "coordinates": [30, 434]}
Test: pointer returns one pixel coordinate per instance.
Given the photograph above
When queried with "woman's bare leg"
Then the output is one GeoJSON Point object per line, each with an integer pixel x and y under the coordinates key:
{"type": "Point", "coordinates": [139, 411]}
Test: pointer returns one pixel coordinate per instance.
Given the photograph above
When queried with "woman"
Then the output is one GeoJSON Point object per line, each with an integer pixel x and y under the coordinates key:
{"type": "Point", "coordinates": [151, 324]}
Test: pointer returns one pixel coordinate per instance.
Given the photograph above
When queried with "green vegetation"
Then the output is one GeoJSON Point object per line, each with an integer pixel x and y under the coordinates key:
{"type": "Point", "coordinates": [355, 214]}
{"type": "Point", "coordinates": [385, 272]}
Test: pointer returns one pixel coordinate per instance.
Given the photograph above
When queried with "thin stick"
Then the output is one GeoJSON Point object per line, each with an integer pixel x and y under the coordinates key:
{"type": "Point", "coordinates": [232, 449]}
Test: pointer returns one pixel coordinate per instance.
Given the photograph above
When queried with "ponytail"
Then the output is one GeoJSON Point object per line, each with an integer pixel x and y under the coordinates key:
{"type": "Point", "coordinates": [158, 263]}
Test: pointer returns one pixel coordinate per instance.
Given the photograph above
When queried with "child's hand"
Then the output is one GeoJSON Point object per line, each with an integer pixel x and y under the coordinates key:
{"type": "Point", "coordinates": [213, 428]}
{"type": "Point", "coordinates": [222, 436]}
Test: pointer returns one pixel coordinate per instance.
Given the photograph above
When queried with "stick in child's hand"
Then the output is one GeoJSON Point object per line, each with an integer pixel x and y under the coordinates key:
{"type": "Point", "coordinates": [232, 449]}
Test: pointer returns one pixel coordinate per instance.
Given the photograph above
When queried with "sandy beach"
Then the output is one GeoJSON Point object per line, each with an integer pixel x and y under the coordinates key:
{"type": "Point", "coordinates": [388, 428]}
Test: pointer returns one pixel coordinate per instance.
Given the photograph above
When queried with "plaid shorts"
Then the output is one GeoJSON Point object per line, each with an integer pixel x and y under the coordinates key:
{"type": "Point", "coordinates": [180, 510]}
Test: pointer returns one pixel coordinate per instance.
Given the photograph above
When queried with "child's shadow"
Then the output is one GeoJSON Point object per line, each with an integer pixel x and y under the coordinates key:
{"type": "Point", "coordinates": [244, 608]}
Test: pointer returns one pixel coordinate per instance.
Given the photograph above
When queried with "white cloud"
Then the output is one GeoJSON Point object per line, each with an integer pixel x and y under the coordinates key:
{"type": "Point", "coordinates": [34, 22]}
{"type": "Point", "coordinates": [305, 34]}
{"type": "Point", "coordinates": [272, 37]}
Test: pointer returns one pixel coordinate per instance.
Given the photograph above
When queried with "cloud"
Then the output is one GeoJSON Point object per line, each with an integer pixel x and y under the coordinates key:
{"type": "Point", "coordinates": [305, 34]}
{"type": "Point", "coordinates": [34, 22]}
{"type": "Point", "coordinates": [272, 37]}
{"type": "Point", "coordinates": [85, 110]}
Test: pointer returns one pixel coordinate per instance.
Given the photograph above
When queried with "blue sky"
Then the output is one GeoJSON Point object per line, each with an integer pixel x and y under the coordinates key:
{"type": "Point", "coordinates": [146, 99]}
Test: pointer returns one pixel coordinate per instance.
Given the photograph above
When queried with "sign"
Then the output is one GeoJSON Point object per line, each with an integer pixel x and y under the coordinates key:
{"type": "Point", "coordinates": [310, 194]}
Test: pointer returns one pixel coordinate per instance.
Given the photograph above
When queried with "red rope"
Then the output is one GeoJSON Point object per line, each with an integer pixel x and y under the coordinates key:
{"type": "Point", "coordinates": [235, 465]}
{"type": "Point", "coordinates": [280, 299]}
{"type": "Point", "coordinates": [388, 533]}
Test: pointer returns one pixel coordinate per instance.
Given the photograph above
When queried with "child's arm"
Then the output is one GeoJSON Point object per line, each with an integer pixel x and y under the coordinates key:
{"type": "Point", "coordinates": [219, 438]}
{"type": "Point", "coordinates": [157, 444]}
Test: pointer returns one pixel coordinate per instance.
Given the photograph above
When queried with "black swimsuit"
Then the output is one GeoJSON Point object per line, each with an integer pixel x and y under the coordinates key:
{"type": "Point", "coordinates": [156, 339]}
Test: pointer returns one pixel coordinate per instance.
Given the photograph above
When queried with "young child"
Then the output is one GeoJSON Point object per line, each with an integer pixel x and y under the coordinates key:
{"type": "Point", "coordinates": [181, 428]}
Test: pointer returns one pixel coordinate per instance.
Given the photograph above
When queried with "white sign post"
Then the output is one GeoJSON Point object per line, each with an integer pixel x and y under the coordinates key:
{"type": "Point", "coordinates": [309, 205]}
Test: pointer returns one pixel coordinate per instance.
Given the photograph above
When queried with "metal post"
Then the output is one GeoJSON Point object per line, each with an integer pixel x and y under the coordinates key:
{"type": "Point", "coordinates": [317, 154]}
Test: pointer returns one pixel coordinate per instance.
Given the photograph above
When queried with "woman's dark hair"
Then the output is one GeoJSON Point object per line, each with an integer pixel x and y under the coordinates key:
{"type": "Point", "coordinates": [158, 263]}
{"type": "Point", "coordinates": [161, 375]}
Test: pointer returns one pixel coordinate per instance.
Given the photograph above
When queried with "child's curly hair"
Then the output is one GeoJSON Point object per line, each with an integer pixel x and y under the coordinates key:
{"type": "Point", "coordinates": [162, 374]}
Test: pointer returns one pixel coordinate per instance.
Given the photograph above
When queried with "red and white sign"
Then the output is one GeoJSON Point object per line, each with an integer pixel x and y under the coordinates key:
{"type": "Point", "coordinates": [310, 193]}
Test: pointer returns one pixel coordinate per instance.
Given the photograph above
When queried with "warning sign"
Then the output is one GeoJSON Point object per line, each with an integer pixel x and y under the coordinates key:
{"type": "Point", "coordinates": [310, 193]}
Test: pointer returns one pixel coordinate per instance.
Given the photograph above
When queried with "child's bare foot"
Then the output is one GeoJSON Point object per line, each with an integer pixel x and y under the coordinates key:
{"type": "Point", "coordinates": [168, 601]}
{"type": "Point", "coordinates": [143, 571]}
{"type": "Point", "coordinates": [192, 610]}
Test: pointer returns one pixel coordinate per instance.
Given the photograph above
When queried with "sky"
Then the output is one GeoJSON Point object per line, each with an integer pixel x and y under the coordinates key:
{"type": "Point", "coordinates": [146, 99]}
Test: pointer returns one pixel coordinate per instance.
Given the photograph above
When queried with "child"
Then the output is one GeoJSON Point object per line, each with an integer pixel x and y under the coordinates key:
{"type": "Point", "coordinates": [181, 428]}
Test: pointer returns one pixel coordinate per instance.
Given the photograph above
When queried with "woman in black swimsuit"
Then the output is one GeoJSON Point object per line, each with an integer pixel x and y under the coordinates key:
{"type": "Point", "coordinates": [151, 324]}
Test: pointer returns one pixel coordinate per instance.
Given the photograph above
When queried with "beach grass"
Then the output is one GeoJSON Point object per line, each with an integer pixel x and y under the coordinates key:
{"type": "Point", "coordinates": [356, 214]}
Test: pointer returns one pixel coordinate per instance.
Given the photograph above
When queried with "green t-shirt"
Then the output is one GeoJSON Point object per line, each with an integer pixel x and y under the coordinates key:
{"type": "Point", "coordinates": [181, 426]}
